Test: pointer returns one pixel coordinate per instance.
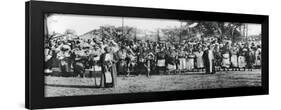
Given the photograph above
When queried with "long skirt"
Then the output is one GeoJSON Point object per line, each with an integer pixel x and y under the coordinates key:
{"type": "Point", "coordinates": [171, 67]}
{"type": "Point", "coordinates": [241, 62]}
{"type": "Point", "coordinates": [182, 63]}
{"type": "Point", "coordinates": [258, 61]}
{"type": "Point", "coordinates": [190, 64]}
{"type": "Point", "coordinates": [199, 62]}
{"type": "Point", "coordinates": [79, 68]}
{"type": "Point", "coordinates": [65, 66]}
{"type": "Point", "coordinates": [226, 61]}
{"type": "Point", "coordinates": [161, 65]}
{"type": "Point", "coordinates": [121, 67]}
{"type": "Point", "coordinates": [234, 60]}
{"type": "Point", "coordinates": [109, 78]}
{"type": "Point", "coordinates": [141, 68]}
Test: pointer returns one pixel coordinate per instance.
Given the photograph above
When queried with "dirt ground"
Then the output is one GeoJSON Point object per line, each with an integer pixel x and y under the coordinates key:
{"type": "Point", "coordinates": [75, 86]}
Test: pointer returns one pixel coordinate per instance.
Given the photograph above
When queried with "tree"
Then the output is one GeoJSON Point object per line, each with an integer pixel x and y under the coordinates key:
{"type": "Point", "coordinates": [127, 33]}
{"type": "Point", "coordinates": [70, 32]}
{"type": "Point", "coordinates": [109, 32]}
{"type": "Point", "coordinates": [172, 34]}
{"type": "Point", "coordinates": [117, 33]}
{"type": "Point", "coordinates": [223, 30]}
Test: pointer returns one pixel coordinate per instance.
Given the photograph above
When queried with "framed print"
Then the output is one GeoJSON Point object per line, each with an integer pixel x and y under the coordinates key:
{"type": "Point", "coordinates": [83, 54]}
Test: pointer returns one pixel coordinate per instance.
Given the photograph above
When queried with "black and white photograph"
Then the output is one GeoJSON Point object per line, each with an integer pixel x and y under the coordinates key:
{"type": "Point", "coordinates": [94, 55]}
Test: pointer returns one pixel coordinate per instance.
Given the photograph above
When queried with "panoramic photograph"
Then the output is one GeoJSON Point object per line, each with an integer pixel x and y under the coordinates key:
{"type": "Point", "coordinates": [94, 55]}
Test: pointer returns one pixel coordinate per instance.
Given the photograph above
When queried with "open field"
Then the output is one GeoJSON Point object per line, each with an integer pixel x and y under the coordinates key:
{"type": "Point", "coordinates": [73, 86]}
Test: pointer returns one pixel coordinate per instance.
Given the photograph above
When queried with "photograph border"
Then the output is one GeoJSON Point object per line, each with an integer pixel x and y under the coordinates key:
{"type": "Point", "coordinates": [35, 97]}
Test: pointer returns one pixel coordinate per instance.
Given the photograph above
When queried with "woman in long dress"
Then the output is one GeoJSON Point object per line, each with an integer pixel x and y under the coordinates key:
{"type": "Point", "coordinates": [182, 60]}
{"type": "Point", "coordinates": [258, 57]}
{"type": "Point", "coordinates": [217, 57]}
{"type": "Point", "coordinates": [121, 67]}
{"type": "Point", "coordinates": [79, 62]}
{"type": "Point", "coordinates": [234, 58]}
{"type": "Point", "coordinates": [161, 61]}
{"type": "Point", "coordinates": [190, 61]}
{"type": "Point", "coordinates": [108, 77]}
{"type": "Point", "coordinates": [171, 61]}
{"type": "Point", "coordinates": [199, 59]}
{"type": "Point", "coordinates": [64, 58]}
{"type": "Point", "coordinates": [250, 59]}
{"type": "Point", "coordinates": [226, 58]}
{"type": "Point", "coordinates": [242, 59]}
{"type": "Point", "coordinates": [95, 66]}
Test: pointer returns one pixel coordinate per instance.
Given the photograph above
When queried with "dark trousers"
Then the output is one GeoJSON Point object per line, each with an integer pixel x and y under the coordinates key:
{"type": "Point", "coordinates": [208, 67]}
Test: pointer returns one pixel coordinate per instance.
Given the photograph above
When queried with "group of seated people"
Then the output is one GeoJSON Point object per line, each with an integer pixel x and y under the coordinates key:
{"type": "Point", "coordinates": [134, 57]}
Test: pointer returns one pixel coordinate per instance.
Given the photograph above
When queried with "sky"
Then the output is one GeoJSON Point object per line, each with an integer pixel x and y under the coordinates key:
{"type": "Point", "coordinates": [85, 23]}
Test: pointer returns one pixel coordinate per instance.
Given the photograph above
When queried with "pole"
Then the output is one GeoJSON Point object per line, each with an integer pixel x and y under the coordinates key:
{"type": "Point", "coordinates": [180, 31]}
{"type": "Point", "coordinates": [135, 35]}
{"type": "Point", "coordinates": [158, 37]}
{"type": "Point", "coordinates": [122, 28]}
{"type": "Point", "coordinates": [247, 31]}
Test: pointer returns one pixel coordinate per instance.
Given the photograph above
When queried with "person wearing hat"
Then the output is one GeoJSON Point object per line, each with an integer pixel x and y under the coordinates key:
{"type": "Point", "coordinates": [109, 72]}
{"type": "Point", "coordinates": [234, 57]}
{"type": "Point", "coordinates": [149, 58]}
{"type": "Point", "coordinates": [79, 62]}
{"type": "Point", "coordinates": [182, 59]}
{"type": "Point", "coordinates": [131, 61]}
{"type": "Point", "coordinates": [250, 58]}
{"type": "Point", "coordinates": [161, 61]}
{"type": "Point", "coordinates": [199, 58]}
{"type": "Point", "coordinates": [217, 56]}
{"type": "Point", "coordinates": [190, 59]}
{"type": "Point", "coordinates": [208, 57]}
{"type": "Point", "coordinates": [94, 59]}
{"type": "Point", "coordinates": [242, 57]}
{"type": "Point", "coordinates": [121, 64]}
{"type": "Point", "coordinates": [64, 58]}
{"type": "Point", "coordinates": [226, 57]}
{"type": "Point", "coordinates": [171, 60]}
{"type": "Point", "coordinates": [258, 56]}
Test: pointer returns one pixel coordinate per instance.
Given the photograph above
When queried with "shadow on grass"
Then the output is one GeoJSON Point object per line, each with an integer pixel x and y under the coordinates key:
{"type": "Point", "coordinates": [192, 73]}
{"type": "Point", "coordinates": [73, 86]}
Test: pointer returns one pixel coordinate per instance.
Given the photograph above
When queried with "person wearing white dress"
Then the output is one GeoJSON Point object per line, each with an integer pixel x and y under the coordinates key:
{"type": "Point", "coordinates": [226, 56]}
{"type": "Point", "coordinates": [182, 60]}
{"type": "Point", "coordinates": [190, 61]}
{"type": "Point", "coordinates": [258, 57]}
{"type": "Point", "coordinates": [199, 59]}
{"type": "Point", "coordinates": [234, 58]}
{"type": "Point", "coordinates": [242, 58]}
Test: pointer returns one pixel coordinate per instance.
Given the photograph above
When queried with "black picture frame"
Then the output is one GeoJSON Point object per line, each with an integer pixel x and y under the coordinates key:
{"type": "Point", "coordinates": [35, 55]}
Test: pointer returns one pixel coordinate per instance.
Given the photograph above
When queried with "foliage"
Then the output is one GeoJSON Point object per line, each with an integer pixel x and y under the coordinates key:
{"type": "Point", "coordinates": [117, 33]}
{"type": "Point", "coordinates": [221, 30]}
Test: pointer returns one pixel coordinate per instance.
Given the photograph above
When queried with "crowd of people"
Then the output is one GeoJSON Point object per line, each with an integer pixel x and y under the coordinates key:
{"type": "Point", "coordinates": [113, 57]}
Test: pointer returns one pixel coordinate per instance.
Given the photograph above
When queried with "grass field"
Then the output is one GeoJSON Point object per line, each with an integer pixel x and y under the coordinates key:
{"type": "Point", "coordinates": [76, 86]}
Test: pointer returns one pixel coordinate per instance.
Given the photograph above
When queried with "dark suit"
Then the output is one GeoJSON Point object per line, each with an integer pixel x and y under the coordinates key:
{"type": "Point", "coordinates": [209, 62]}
